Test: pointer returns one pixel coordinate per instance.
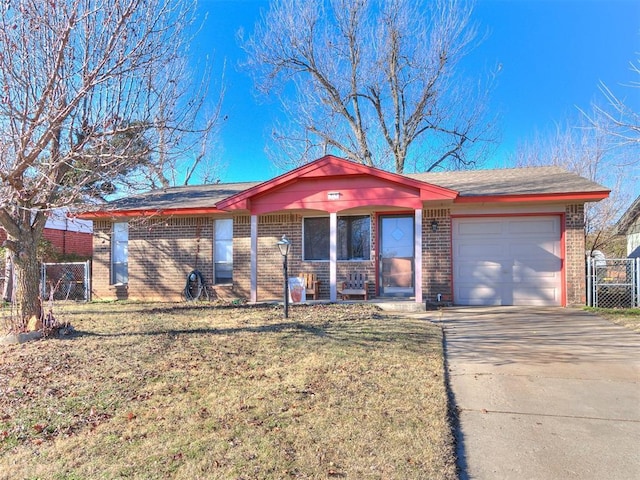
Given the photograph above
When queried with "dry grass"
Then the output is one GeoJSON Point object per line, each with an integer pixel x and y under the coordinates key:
{"type": "Point", "coordinates": [627, 317]}
{"type": "Point", "coordinates": [175, 391]}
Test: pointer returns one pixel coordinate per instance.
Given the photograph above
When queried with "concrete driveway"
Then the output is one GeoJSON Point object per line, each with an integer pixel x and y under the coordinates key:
{"type": "Point", "coordinates": [543, 393]}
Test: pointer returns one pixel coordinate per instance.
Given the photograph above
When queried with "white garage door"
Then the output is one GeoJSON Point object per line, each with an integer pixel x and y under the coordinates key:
{"type": "Point", "coordinates": [507, 261]}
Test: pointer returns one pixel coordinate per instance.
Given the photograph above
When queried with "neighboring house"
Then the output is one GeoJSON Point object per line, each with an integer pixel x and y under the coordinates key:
{"type": "Point", "coordinates": [67, 235]}
{"type": "Point", "coordinates": [629, 225]}
{"type": "Point", "coordinates": [486, 237]}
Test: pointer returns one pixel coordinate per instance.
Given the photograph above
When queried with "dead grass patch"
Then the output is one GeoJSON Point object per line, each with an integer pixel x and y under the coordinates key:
{"type": "Point", "coordinates": [180, 391]}
{"type": "Point", "coordinates": [626, 317]}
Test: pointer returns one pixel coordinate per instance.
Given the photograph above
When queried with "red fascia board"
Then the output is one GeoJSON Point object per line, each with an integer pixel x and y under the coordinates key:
{"type": "Point", "coordinates": [240, 201]}
{"type": "Point", "coordinates": [148, 213]}
{"type": "Point", "coordinates": [537, 197]}
{"type": "Point", "coordinates": [331, 167]}
{"type": "Point", "coordinates": [434, 192]}
{"type": "Point", "coordinates": [354, 190]}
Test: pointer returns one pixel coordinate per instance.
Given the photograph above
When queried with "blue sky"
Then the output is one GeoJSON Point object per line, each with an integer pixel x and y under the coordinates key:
{"type": "Point", "coordinates": [553, 55]}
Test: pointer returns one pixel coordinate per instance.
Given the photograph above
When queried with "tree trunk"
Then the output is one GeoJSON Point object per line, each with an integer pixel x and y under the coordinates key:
{"type": "Point", "coordinates": [27, 276]}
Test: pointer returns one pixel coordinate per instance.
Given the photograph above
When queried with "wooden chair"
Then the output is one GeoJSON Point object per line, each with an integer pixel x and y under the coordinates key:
{"type": "Point", "coordinates": [356, 284]}
{"type": "Point", "coordinates": [311, 284]}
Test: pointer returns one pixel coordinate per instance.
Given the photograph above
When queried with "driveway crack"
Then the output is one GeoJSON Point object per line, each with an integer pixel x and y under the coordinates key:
{"type": "Point", "coordinates": [549, 415]}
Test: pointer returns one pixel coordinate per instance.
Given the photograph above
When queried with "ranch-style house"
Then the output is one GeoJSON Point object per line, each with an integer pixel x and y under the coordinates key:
{"type": "Point", "coordinates": [481, 237]}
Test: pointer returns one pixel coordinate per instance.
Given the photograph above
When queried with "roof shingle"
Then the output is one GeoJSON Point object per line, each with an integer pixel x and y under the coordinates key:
{"type": "Point", "coordinates": [472, 183]}
{"type": "Point", "coordinates": [184, 197]}
{"type": "Point", "coordinates": [511, 181]}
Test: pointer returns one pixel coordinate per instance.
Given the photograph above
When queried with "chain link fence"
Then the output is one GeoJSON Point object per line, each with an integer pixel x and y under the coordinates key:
{"type": "Point", "coordinates": [66, 281]}
{"type": "Point", "coordinates": [613, 282]}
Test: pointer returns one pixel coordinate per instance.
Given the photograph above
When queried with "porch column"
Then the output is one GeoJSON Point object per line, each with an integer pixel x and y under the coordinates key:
{"type": "Point", "coordinates": [333, 256]}
{"type": "Point", "coordinates": [254, 258]}
{"type": "Point", "coordinates": [417, 232]}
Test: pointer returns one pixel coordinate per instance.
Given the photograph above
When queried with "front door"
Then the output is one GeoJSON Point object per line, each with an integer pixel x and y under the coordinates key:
{"type": "Point", "coordinates": [396, 276]}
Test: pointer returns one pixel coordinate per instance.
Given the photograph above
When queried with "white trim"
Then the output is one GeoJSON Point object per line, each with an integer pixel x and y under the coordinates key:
{"type": "Point", "coordinates": [216, 239]}
{"type": "Point", "coordinates": [333, 255]}
{"type": "Point", "coordinates": [254, 258]}
{"type": "Point", "coordinates": [417, 256]}
{"type": "Point", "coordinates": [119, 251]}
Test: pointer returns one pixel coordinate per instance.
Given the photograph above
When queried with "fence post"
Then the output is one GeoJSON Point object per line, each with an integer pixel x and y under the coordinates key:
{"type": "Point", "coordinates": [637, 277]}
{"type": "Point", "coordinates": [87, 282]}
{"type": "Point", "coordinates": [43, 281]}
{"type": "Point", "coordinates": [589, 283]}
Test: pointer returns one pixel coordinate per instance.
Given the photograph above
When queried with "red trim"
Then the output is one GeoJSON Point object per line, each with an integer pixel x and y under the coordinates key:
{"type": "Point", "coordinates": [148, 212]}
{"type": "Point", "coordinates": [543, 197]}
{"type": "Point", "coordinates": [563, 252]}
{"type": "Point", "coordinates": [377, 217]}
{"type": "Point", "coordinates": [332, 169]}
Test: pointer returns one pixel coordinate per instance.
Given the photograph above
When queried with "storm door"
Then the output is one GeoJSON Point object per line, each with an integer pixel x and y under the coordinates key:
{"type": "Point", "coordinates": [396, 265]}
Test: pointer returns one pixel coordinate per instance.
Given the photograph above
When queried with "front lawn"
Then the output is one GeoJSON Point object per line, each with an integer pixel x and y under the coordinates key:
{"type": "Point", "coordinates": [147, 391]}
{"type": "Point", "coordinates": [627, 317]}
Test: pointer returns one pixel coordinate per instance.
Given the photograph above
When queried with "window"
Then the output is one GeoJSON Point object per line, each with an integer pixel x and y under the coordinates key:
{"type": "Point", "coordinates": [120, 253]}
{"type": "Point", "coordinates": [316, 238]}
{"type": "Point", "coordinates": [354, 238]}
{"type": "Point", "coordinates": [223, 260]}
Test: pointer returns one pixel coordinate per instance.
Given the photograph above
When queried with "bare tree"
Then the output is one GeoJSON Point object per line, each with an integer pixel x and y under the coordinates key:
{"type": "Point", "coordinates": [593, 154]}
{"type": "Point", "coordinates": [372, 80]}
{"type": "Point", "coordinates": [92, 98]}
{"type": "Point", "coordinates": [617, 117]}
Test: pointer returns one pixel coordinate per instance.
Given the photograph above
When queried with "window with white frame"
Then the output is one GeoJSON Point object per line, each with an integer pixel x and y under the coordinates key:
{"type": "Point", "coordinates": [120, 253]}
{"type": "Point", "coordinates": [353, 242]}
{"type": "Point", "coordinates": [223, 260]}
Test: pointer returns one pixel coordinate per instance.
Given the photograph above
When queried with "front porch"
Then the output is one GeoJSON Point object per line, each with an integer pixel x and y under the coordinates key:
{"type": "Point", "coordinates": [341, 219]}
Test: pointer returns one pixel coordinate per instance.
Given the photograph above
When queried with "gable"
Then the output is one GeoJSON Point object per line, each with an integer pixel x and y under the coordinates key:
{"type": "Point", "coordinates": [333, 184]}
{"type": "Point", "coordinates": [630, 220]}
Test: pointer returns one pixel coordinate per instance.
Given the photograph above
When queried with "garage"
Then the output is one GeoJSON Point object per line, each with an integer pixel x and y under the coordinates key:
{"type": "Point", "coordinates": [507, 260]}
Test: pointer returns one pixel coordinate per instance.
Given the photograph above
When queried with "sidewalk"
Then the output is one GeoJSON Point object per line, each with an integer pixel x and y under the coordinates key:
{"type": "Point", "coordinates": [543, 393]}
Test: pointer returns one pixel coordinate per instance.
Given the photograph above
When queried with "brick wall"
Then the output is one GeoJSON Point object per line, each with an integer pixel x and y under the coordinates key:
{"type": "Point", "coordinates": [162, 252]}
{"type": "Point", "coordinates": [68, 242]}
{"type": "Point", "coordinates": [436, 255]}
{"type": "Point", "coordinates": [270, 273]}
{"type": "Point", "coordinates": [575, 254]}
{"type": "Point", "coordinates": [65, 242]}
